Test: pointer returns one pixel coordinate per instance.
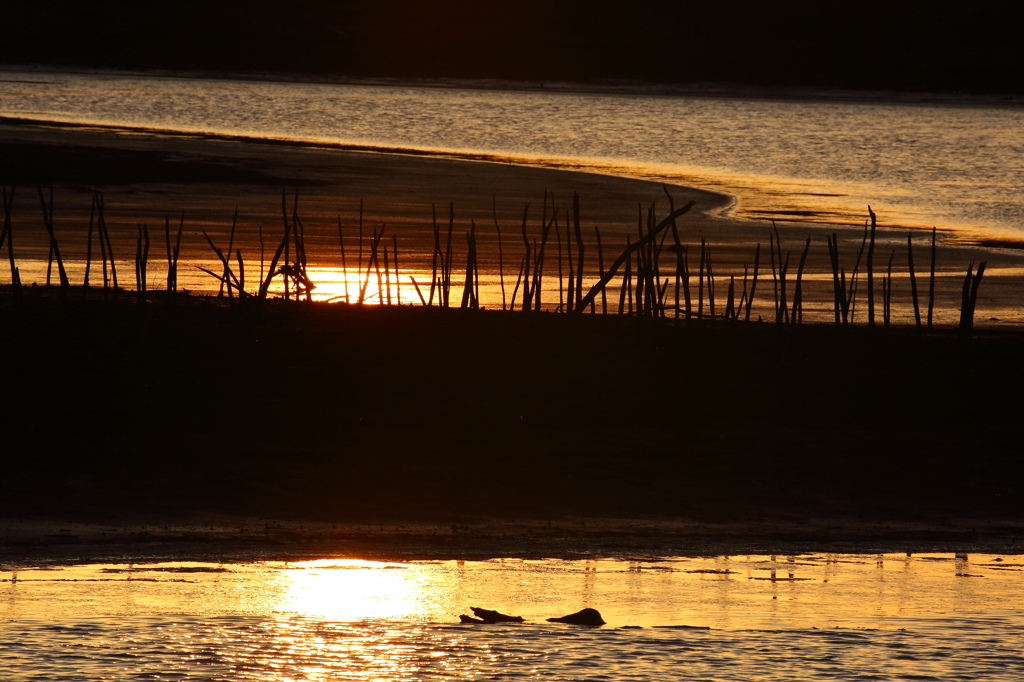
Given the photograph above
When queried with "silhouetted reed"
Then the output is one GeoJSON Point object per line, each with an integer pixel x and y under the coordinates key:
{"type": "Point", "coordinates": [871, 271]}
{"type": "Point", "coordinates": [141, 261]}
{"type": "Point", "coordinates": [913, 282]}
{"type": "Point", "coordinates": [931, 284]}
{"type": "Point", "coordinates": [644, 290]}
{"type": "Point", "coordinates": [969, 299]}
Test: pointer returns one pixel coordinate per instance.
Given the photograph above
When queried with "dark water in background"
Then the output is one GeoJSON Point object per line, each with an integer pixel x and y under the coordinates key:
{"type": "Point", "coordinates": [834, 617]}
{"type": "Point", "coordinates": [958, 167]}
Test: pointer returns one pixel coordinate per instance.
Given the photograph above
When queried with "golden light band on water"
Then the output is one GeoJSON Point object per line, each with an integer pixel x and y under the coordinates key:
{"type": "Point", "coordinates": [351, 590]}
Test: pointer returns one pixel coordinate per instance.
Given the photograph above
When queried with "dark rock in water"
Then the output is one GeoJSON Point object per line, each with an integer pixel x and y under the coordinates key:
{"type": "Point", "coordinates": [470, 619]}
{"type": "Point", "coordinates": [488, 616]}
{"type": "Point", "coordinates": [584, 617]}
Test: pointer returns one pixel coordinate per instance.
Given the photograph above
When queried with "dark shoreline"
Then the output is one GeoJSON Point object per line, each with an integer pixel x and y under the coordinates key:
{"type": "Point", "coordinates": [480, 428]}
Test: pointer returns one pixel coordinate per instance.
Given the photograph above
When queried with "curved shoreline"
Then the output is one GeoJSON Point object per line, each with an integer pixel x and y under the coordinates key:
{"type": "Point", "coordinates": [727, 202]}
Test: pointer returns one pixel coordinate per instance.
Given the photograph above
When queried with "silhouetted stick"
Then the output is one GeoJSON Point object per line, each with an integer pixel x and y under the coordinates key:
{"type": "Point", "coordinates": [753, 282]}
{"type": "Point", "coordinates": [913, 282]}
{"type": "Point", "coordinates": [931, 284]}
{"type": "Point", "coordinates": [100, 229]}
{"type": "Point", "coordinates": [467, 285]}
{"type": "Point", "coordinates": [561, 289]}
{"type": "Point", "coordinates": [678, 248]}
{"type": "Point", "coordinates": [273, 271]}
{"type": "Point", "coordinates": [344, 265]}
{"type": "Point", "coordinates": [138, 263]}
{"type": "Point", "coordinates": [600, 265]}
{"type": "Point", "coordinates": [798, 292]}
{"type": "Point", "coordinates": [177, 252]}
{"type": "Point", "coordinates": [145, 261]}
{"type": "Point", "coordinates": [700, 280]}
{"type": "Point", "coordinates": [775, 274]}
{"type": "Point", "coordinates": [969, 300]}
{"type": "Point", "coordinates": [527, 294]}
{"type": "Point", "coordinates": [387, 276]}
{"type": "Point", "coordinates": [570, 294]}
{"type": "Point", "coordinates": [851, 297]}
{"type": "Point", "coordinates": [88, 245]}
{"type": "Point", "coordinates": [241, 273]}
{"type": "Point", "coordinates": [538, 269]}
{"type": "Point", "coordinates": [627, 278]}
{"type": "Point", "coordinates": [607, 277]}
{"type": "Point", "coordinates": [579, 246]}
{"type": "Point", "coordinates": [231, 247]}
{"type": "Point", "coordinates": [418, 292]}
{"type": "Point", "coordinates": [743, 298]}
{"type": "Point", "coordinates": [871, 271]}
{"type": "Point", "coordinates": [657, 270]}
{"type": "Point", "coordinates": [8, 234]}
{"type": "Point", "coordinates": [436, 256]}
{"type": "Point", "coordinates": [782, 314]}
{"type": "Point", "coordinates": [501, 257]}
{"type": "Point", "coordinates": [288, 229]}
{"type": "Point", "coordinates": [975, 283]}
{"type": "Point", "coordinates": [448, 255]}
{"type": "Point", "coordinates": [375, 258]}
{"type": "Point", "coordinates": [359, 265]}
{"type": "Point", "coordinates": [838, 292]}
{"type": "Point", "coordinates": [784, 267]}
{"type": "Point", "coordinates": [965, 302]}
{"type": "Point", "coordinates": [711, 286]}
{"type": "Point", "coordinates": [887, 313]}
{"type": "Point", "coordinates": [228, 278]}
{"type": "Point", "coordinates": [519, 279]}
{"type": "Point", "coordinates": [167, 243]}
{"type": "Point", "coordinates": [398, 282]}
{"type": "Point", "coordinates": [65, 285]}
{"type": "Point", "coordinates": [110, 248]}
{"type": "Point", "coordinates": [538, 259]}
{"type": "Point", "coordinates": [729, 304]}
{"type": "Point", "coordinates": [259, 227]}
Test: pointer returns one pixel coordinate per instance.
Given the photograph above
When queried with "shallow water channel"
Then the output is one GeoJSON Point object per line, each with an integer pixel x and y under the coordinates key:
{"type": "Point", "coordinates": [814, 616]}
{"type": "Point", "coordinates": [957, 166]}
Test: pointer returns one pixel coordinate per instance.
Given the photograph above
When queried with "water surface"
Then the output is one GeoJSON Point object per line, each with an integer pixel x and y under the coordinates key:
{"type": "Point", "coordinates": [769, 618]}
{"type": "Point", "coordinates": [960, 167]}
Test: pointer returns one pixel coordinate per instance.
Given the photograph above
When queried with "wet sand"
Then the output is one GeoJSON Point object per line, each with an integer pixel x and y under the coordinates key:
{"type": "Point", "coordinates": [428, 433]}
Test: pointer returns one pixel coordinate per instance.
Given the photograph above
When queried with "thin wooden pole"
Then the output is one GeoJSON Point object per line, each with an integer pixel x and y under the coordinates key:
{"type": "Point", "coordinates": [931, 283]}
{"type": "Point", "coordinates": [871, 271]}
{"type": "Point", "coordinates": [913, 282]}
{"type": "Point", "coordinates": [501, 256]}
{"type": "Point", "coordinates": [344, 264]}
{"type": "Point", "coordinates": [753, 282]}
{"type": "Point", "coordinates": [600, 265]}
{"type": "Point", "coordinates": [398, 281]}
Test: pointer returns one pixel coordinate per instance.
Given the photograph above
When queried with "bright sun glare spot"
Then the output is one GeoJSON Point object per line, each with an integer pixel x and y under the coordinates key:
{"type": "Point", "coordinates": [350, 590]}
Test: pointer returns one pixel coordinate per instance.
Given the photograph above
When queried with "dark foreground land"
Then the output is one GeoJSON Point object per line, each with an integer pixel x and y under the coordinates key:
{"type": "Point", "coordinates": [300, 429]}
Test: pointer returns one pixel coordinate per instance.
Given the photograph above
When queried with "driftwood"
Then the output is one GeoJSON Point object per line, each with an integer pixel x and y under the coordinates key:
{"type": "Point", "coordinates": [488, 616]}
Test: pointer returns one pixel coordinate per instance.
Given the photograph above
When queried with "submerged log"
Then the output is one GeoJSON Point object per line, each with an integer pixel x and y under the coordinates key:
{"type": "Point", "coordinates": [584, 617]}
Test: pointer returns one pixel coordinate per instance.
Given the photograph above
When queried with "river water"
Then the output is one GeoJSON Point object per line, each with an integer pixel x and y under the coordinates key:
{"type": "Point", "coordinates": [804, 617]}
{"type": "Point", "coordinates": [956, 166]}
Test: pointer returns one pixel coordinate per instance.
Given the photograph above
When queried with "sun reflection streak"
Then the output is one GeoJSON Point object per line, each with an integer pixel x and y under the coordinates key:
{"type": "Point", "coordinates": [352, 590]}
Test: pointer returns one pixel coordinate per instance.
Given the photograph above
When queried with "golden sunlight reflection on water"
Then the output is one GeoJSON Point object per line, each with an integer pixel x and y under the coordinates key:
{"type": "Point", "coordinates": [793, 617]}
{"type": "Point", "coordinates": [815, 590]}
